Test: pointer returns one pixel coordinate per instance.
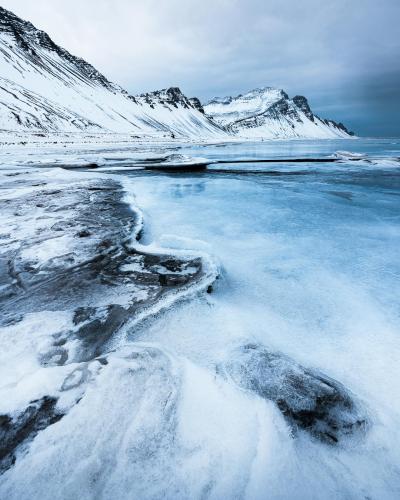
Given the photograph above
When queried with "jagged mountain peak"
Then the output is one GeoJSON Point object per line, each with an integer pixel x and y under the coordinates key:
{"type": "Point", "coordinates": [172, 96]}
{"type": "Point", "coordinates": [219, 100]}
{"type": "Point", "coordinates": [260, 93]}
{"type": "Point", "coordinates": [302, 103]}
{"type": "Point", "coordinates": [263, 91]}
{"type": "Point", "coordinates": [195, 102]}
{"type": "Point", "coordinates": [269, 112]}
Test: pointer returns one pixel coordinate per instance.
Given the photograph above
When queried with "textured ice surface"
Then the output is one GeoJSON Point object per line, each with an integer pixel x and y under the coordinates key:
{"type": "Point", "coordinates": [67, 291]}
{"type": "Point", "coordinates": [309, 269]}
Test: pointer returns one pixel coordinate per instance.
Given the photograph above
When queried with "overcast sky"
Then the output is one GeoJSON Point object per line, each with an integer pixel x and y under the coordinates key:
{"type": "Point", "coordinates": [343, 55]}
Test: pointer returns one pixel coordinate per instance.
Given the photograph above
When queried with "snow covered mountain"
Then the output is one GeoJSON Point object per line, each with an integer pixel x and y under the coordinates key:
{"type": "Point", "coordinates": [270, 113]}
{"type": "Point", "coordinates": [45, 88]}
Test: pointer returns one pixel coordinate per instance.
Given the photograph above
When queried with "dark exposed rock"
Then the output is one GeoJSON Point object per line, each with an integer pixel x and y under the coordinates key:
{"type": "Point", "coordinates": [307, 398]}
{"type": "Point", "coordinates": [91, 278]}
{"type": "Point", "coordinates": [84, 233]}
{"type": "Point", "coordinates": [171, 97]}
{"type": "Point", "coordinates": [302, 103]}
{"type": "Point", "coordinates": [339, 125]}
{"type": "Point", "coordinates": [17, 430]}
{"type": "Point", "coordinates": [83, 314]}
{"type": "Point", "coordinates": [282, 107]}
{"type": "Point", "coordinates": [97, 280]}
{"type": "Point", "coordinates": [197, 104]}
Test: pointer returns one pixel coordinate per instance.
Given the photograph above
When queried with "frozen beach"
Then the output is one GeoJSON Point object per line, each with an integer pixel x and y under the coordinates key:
{"type": "Point", "coordinates": [229, 333]}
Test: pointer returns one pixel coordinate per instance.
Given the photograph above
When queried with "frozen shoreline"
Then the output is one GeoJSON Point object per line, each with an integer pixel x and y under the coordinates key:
{"type": "Point", "coordinates": [117, 400]}
{"type": "Point", "coordinates": [22, 139]}
{"type": "Point", "coordinates": [73, 253]}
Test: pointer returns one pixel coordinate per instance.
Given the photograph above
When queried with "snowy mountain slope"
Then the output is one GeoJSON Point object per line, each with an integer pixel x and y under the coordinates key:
{"type": "Point", "coordinates": [45, 88]}
{"type": "Point", "coordinates": [270, 113]}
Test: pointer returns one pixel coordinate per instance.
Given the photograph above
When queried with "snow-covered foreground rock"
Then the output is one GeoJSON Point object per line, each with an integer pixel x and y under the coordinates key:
{"type": "Point", "coordinates": [308, 399]}
{"type": "Point", "coordinates": [269, 113]}
{"type": "Point", "coordinates": [71, 278]}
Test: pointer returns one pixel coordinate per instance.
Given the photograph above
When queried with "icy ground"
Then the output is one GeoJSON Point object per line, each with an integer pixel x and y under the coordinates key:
{"type": "Point", "coordinates": [281, 383]}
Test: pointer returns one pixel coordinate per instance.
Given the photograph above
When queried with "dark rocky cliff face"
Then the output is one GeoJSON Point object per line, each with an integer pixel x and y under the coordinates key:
{"type": "Point", "coordinates": [337, 125]}
{"type": "Point", "coordinates": [283, 107]}
{"type": "Point", "coordinates": [302, 103]}
{"type": "Point", "coordinates": [195, 102]}
{"type": "Point", "coordinates": [171, 97]}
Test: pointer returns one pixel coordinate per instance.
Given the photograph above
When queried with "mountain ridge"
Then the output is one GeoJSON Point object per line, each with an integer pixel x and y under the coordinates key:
{"type": "Point", "coordinates": [45, 88]}
{"type": "Point", "coordinates": [26, 35]}
{"type": "Point", "coordinates": [267, 112]}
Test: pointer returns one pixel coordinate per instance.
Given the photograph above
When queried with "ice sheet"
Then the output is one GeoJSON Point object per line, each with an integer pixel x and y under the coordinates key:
{"type": "Point", "coordinates": [308, 267]}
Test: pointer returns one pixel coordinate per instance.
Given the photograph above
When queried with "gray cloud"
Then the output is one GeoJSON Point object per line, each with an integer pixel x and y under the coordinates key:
{"type": "Point", "coordinates": [342, 54]}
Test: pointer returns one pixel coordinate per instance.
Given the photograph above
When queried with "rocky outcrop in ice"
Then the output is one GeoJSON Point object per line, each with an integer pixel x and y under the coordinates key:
{"type": "Point", "coordinates": [308, 399]}
{"type": "Point", "coordinates": [71, 279]}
